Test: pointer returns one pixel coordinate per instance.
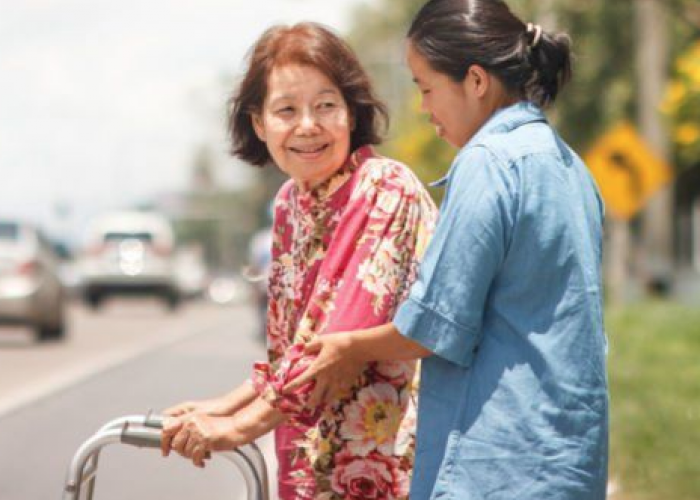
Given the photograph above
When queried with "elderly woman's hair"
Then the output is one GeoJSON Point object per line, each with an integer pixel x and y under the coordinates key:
{"type": "Point", "coordinates": [305, 44]}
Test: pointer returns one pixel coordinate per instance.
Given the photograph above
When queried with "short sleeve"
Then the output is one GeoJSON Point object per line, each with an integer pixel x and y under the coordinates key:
{"type": "Point", "coordinates": [445, 308]}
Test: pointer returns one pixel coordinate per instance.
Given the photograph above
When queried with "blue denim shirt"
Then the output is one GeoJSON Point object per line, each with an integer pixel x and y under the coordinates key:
{"type": "Point", "coordinates": [513, 402]}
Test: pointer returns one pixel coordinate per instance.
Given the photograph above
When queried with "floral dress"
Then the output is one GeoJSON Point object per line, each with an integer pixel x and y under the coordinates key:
{"type": "Point", "coordinates": [344, 254]}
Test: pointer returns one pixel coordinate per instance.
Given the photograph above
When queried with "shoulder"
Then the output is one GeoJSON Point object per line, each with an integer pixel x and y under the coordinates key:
{"type": "Point", "coordinates": [285, 192]}
{"type": "Point", "coordinates": [514, 147]}
{"type": "Point", "coordinates": [379, 172]}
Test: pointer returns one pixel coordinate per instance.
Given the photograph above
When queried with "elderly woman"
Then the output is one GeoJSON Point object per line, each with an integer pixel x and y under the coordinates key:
{"type": "Point", "coordinates": [349, 228]}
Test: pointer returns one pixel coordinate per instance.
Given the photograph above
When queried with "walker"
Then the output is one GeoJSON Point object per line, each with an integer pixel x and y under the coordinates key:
{"type": "Point", "coordinates": [144, 431]}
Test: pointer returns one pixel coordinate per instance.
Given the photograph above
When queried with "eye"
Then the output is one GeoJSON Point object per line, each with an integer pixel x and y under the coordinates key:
{"type": "Point", "coordinates": [284, 111]}
{"type": "Point", "coordinates": [327, 105]}
{"type": "Point", "coordinates": [425, 91]}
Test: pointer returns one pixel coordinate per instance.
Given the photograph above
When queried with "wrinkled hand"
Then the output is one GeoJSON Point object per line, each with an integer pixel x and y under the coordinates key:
{"type": "Point", "coordinates": [334, 369]}
{"type": "Point", "coordinates": [195, 436]}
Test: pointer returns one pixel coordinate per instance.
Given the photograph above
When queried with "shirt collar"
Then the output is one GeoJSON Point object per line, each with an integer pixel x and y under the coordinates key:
{"type": "Point", "coordinates": [322, 193]}
{"type": "Point", "coordinates": [502, 121]}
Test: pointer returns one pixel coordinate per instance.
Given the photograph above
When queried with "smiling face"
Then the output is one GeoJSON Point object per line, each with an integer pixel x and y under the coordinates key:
{"type": "Point", "coordinates": [305, 124]}
{"type": "Point", "coordinates": [457, 109]}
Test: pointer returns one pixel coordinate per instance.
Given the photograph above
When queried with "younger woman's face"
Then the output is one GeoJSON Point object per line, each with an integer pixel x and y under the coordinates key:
{"type": "Point", "coordinates": [456, 109]}
{"type": "Point", "coordinates": [305, 124]}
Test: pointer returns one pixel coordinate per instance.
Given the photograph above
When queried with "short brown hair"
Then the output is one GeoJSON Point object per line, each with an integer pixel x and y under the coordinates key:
{"type": "Point", "coordinates": [306, 44]}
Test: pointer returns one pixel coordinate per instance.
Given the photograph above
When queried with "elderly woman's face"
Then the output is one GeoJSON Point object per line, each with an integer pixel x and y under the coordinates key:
{"type": "Point", "coordinates": [305, 124]}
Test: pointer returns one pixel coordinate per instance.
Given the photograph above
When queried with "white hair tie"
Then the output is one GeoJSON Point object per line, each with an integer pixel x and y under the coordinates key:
{"type": "Point", "coordinates": [537, 30]}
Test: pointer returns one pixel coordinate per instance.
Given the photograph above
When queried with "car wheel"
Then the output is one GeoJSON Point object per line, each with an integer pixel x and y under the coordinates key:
{"type": "Point", "coordinates": [93, 300]}
{"type": "Point", "coordinates": [50, 333]}
{"type": "Point", "coordinates": [172, 300]}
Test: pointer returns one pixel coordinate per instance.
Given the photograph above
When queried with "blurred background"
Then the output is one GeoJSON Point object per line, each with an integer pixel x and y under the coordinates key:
{"type": "Point", "coordinates": [133, 248]}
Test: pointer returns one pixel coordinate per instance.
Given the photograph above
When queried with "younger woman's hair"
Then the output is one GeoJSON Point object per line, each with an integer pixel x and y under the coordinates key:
{"type": "Point", "coordinates": [306, 44]}
{"type": "Point", "coordinates": [452, 35]}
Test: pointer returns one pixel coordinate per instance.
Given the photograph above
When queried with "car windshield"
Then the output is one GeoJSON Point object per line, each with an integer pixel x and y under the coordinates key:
{"type": "Point", "coordinates": [119, 236]}
{"type": "Point", "coordinates": [9, 231]}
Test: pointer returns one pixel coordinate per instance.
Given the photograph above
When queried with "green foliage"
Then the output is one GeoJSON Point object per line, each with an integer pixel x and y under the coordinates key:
{"type": "Point", "coordinates": [655, 400]}
{"type": "Point", "coordinates": [682, 105]}
{"type": "Point", "coordinates": [603, 89]}
{"type": "Point", "coordinates": [416, 144]}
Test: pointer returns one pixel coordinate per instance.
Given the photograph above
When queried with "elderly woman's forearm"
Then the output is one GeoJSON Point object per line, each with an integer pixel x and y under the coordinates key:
{"type": "Point", "coordinates": [240, 397]}
{"type": "Point", "coordinates": [384, 343]}
{"type": "Point", "coordinates": [257, 419]}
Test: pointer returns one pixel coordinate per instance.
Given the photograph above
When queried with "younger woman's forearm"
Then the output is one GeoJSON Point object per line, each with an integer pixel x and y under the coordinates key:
{"type": "Point", "coordinates": [384, 343]}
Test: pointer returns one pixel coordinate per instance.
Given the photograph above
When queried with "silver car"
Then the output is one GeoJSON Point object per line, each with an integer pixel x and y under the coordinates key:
{"type": "Point", "coordinates": [130, 253]}
{"type": "Point", "coordinates": [31, 292]}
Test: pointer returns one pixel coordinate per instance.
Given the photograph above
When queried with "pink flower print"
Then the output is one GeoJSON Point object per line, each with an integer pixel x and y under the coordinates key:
{"type": "Point", "coordinates": [372, 420]}
{"type": "Point", "coordinates": [398, 372]}
{"type": "Point", "coordinates": [271, 384]}
{"type": "Point", "coordinates": [374, 477]}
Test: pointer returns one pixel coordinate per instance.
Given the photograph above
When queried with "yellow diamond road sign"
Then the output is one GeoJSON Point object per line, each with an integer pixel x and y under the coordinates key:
{"type": "Point", "coordinates": [627, 171]}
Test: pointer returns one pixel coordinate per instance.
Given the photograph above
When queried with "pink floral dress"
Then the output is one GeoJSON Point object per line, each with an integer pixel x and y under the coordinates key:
{"type": "Point", "coordinates": [344, 255]}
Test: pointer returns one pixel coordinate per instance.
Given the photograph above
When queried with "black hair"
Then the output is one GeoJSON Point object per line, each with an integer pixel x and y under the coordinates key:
{"type": "Point", "coordinates": [452, 35]}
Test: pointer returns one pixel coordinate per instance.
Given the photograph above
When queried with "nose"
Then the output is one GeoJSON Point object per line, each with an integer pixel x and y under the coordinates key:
{"type": "Point", "coordinates": [307, 123]}
{"type": "Point", "coordinates": [423, 105]}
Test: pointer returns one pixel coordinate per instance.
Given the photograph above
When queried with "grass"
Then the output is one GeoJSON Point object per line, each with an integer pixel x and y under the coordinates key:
{"type": "Point", "coordinates": [654, 370]}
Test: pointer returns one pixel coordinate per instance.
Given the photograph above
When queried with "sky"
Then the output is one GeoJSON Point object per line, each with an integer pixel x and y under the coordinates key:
{"type": "Point", "coordinates": [104, 103]}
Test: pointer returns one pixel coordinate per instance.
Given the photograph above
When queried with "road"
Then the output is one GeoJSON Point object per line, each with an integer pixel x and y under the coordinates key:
{"type": "Point", "coordinates": [126, 359]}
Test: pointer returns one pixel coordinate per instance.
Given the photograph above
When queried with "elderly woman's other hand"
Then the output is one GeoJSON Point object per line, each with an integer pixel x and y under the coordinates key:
{"type": "Point", "coordinates": [171, 426]}
{"type": "Point", "coordinates": [197, 435]}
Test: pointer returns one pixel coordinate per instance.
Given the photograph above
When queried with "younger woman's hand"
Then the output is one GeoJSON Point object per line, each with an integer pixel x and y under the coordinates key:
{"type": "Point", "coordinates": [335, 370]}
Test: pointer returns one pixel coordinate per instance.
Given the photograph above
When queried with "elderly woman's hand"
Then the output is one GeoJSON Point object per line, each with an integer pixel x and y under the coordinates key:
{"type": "Point", "coordinates": [197, 435]}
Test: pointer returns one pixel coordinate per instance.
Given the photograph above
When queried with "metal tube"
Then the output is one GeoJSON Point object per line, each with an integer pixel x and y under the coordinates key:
{"type": "Point", "coordinates": [254, 488]}
{"type": "Point", "coordinates": [142, 437]}
{"type": "Point", "coordinates": [252, 451]}
{"type": "Point", "coordinates": [74, 478]}
{"type": "Point", "coordinates": [143, 431]}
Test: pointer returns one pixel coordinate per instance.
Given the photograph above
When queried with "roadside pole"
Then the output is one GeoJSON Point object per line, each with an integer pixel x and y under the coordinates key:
{"type": "Point", "coordinates": [653, 59]}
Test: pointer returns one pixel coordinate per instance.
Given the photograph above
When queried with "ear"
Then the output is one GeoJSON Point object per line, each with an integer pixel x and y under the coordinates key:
{"type": "Point", "coordinates": [477, 81]}
{"type": "Point", "coordinates": [258, 126]}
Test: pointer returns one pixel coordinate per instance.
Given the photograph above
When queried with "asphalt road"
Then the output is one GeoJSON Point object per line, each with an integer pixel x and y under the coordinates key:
{"type": "Point", "coordinates": [127, 359]}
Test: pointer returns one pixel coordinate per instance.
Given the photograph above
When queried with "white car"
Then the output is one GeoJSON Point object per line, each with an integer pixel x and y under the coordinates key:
{"type": "Point", "coordinates": [31, 292]}
{"type": "Point", "coordinates": [129, 253]}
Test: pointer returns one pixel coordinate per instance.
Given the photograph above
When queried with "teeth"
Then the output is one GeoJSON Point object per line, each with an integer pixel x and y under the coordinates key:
{"type": "Point", "coordinates": [309, 150]}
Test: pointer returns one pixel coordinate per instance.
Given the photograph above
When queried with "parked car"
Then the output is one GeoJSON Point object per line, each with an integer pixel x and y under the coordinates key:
{"type": "Point", "coordinates": [191, 271]}
{"type": "Point", "coordinates": [129, 253]}
{"type": "Point", "coordinates": [31, 292]}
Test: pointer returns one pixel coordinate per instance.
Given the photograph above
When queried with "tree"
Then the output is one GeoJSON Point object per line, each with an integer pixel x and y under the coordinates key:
{"type": "Point", "coordinates": [682, 106]}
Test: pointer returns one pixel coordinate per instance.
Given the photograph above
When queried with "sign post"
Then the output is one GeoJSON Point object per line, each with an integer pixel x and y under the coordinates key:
{"type": "Point", "coordinates": [628, 173]}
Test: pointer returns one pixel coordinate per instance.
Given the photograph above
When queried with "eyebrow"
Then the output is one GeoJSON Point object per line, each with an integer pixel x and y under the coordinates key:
{"type": "Point", "coordinates": [284, 97]}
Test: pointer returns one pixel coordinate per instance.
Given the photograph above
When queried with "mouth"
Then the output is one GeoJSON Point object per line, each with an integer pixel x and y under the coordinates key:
{"type": "Point", "coordinates": [438, 127]}
{"type": "Point", "coordinates": [310, 151]}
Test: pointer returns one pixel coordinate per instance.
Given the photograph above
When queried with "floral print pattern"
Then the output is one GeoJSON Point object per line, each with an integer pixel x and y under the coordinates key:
{"type": "Point", "coordinates": [344, 254]}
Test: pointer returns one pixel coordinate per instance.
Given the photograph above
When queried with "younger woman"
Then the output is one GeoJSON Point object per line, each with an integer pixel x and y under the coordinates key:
{"type": "Point", "coordinates": [507, 308]}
